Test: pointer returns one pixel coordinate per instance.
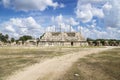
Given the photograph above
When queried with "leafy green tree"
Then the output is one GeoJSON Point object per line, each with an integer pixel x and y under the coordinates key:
{"type": "Point", "coordinates": [12, 39]}
{"type": "Point", "coordinates": [89, 39]}
{"type": "Point", "coordinates": [0, 36]}
{"type": "Point", "coordinates": [25, 38]}
{"type": "Point", "coordinates": [4, 38]}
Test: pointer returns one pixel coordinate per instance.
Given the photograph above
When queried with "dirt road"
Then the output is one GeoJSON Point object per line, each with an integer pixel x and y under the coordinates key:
{"type": "Point", "coordinates": [52, 69]}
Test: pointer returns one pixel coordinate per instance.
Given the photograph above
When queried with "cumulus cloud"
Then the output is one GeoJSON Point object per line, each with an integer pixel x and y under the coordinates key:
{"type": "Point", "coordinates": [107, 6]}
{"type": "Point", "coordinates": [17, 27]}
{"type": "Point", "coordinates": [51, 28]}
{"type": "Point", "coordinates": [61, 19]}
{"type": "Point", "coordinates": [112, 18]}
{"type": "Point", "coordinates": [66, 24]}
{"type": "Point", "coordinates": [64, 28]}
{"type": "Point", "coordinates": [29, 23]}
{"type": "Point", "coordinates": [86, 12]}
{"type": "Point", "coordinates": [94, 33]}
{"type": "Point", "coordinates": [58, 19]}
{"type": "Point", "coordinates": [9, 28]}
{"type": "Point", "coordinates": [67, 27]}
{"type": "Point", "coordinates": [27, 5]}
{"type": "Point", "coordinates": [22, 26]}
{"type": "Point", "coordinates": [106, 11]}
{"type": "Point", "coordinates": [72, 21]}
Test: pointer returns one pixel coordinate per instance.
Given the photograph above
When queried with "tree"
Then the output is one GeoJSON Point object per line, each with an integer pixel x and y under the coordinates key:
{"type": "Point", "coordinates": [0, 36]}
{"type": "Point", "coordinates": [89, 39]}
{"type": "Point", "coordinates": [12, 40]}
{"type": "Point", "coordinates": [25, 38]}
{"type": "Point", "coordinates": [4, 38]}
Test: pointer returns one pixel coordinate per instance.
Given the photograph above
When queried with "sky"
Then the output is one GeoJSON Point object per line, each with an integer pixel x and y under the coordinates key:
{"type": "Point", "coordinates": [93, 18]}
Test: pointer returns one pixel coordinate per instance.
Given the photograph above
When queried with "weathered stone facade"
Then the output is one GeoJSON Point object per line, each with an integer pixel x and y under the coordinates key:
{"type": "Point", "coordinates": [1, 43]}
{"type": "Point", "coordinates": [62, 39]}
{"type": "Point", "coordinates": [31, 42]}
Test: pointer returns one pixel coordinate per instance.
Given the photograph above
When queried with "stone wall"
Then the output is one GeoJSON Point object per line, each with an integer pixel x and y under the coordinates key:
{"type": "Point", "coordinates": [62, 43]}
{"type": "Point", "coordinates": [62, 36]}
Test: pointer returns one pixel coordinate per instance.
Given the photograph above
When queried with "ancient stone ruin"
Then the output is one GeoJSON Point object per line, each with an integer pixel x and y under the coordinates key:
{"type": "Point", "coordinates": [62, 39]}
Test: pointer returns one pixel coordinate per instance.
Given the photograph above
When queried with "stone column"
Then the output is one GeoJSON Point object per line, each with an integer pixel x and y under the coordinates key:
{"type": "Point", "coordinates": [98, 43]}
{"type": "Point", "coordinates": [106, 43]}
{"type": "Point", "coordinates": [90, 43]}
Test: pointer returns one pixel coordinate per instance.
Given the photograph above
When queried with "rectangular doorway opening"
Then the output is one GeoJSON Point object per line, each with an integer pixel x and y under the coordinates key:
{"type": "Point", "coordinates": [72, 44]}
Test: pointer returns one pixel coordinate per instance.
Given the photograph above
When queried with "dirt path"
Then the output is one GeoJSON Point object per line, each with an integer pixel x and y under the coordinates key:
{"type": "Point", "coordinates": [52, 69]}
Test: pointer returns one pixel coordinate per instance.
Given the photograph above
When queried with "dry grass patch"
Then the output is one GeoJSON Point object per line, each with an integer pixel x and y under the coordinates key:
{"type": "Point", "coordinates": [102, 66]}
{"type": "Point", "coordinates": [16, 58]}
{"type": "Point", "coordinates": [12, 59]}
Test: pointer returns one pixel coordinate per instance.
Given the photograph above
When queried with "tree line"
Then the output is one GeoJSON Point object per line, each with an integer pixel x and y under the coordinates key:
{"type": "Point", "coordinates": [102, 41]}
{"type": "Point", "coordinates": [6, 39]}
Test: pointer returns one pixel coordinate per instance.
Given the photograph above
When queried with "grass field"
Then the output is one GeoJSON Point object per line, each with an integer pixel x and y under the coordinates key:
{"type": "Point", "coordinates": [102, 66]}
{"type": "Point", "coordinates": [15, 58]}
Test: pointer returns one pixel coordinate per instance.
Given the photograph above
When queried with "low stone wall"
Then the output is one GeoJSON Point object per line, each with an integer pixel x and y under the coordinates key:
{"type": "Point", "coordinates": [59, 43]}
{"type": "Point", "coordinates": [62, 43]}
{"type": "Point", "coordinates": [105, 43]}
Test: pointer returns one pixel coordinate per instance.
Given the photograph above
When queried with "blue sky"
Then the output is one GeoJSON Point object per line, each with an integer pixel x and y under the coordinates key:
{"type": "Point", "coordinates": [95, 18]}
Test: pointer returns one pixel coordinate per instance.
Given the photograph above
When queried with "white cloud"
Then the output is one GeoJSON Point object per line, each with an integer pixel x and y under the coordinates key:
{"type": "Point", "coordinates": [72, 21]}
{"type": "Point", "coordinates": [107, 24]}
{"type": "Point", "coordinates": [95, 33]}
{"type": "Point", "coordinates": [27, 5]}
{"type": "Point", "coordinates": [86, 12]}
{"type": "Point", "coordinates": [9, 28]}
{"type": "Point", "coordinates": [61, 19]}
{"type": "Point", "coordinates": [97, 12]}
{"type": "Point", "coordinates": [63, 27]}
{"type": "Point", "coordinates": [85, 16]}
{"type": "Point", "coordinates": [112, 18]}
{"type": "Point", "coordinates": [66, 27]}
{"type": "Point", "coordinates": [50, 28]}
{"type": "Point", "coordinates": [64, 22]}
{"type": "Point", "coordinates": [24, 22]}
{"type": "Point", "coordinates": [107, 6]}
{"type": "Point", "coordinates": [58, 19]}
{"type": "Point", "coordinates": [108, 10]}
{"type": "Point", "coordinates": [16, 27]}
